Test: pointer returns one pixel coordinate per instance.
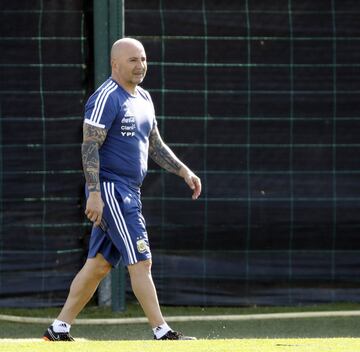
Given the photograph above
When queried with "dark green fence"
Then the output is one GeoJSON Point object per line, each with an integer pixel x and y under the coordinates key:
{"type": "Point", "coordinates": [259, 98]}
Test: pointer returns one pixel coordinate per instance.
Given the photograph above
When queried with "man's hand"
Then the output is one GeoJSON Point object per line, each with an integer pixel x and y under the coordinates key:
{"type": "Point", "coordinates": [94, 208]}
{"type": "Point", "coordinates": [166, 158]}
{"type": "Point", "coordinates": [193, 182]}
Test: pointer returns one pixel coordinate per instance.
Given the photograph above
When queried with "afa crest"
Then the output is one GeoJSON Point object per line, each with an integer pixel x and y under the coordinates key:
{"type": "Point", "coordinates": [141, 246]}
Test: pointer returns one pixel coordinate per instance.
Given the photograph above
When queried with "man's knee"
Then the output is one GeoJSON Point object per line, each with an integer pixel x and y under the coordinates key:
{"type": "Point", "coordinates": [144, 266]}
{"type": "Point", "coordinates": [98, 266]}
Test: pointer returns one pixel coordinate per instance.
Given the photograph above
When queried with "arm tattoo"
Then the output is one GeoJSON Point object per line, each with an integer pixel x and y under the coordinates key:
{"type": "Point", "coordinates": [162, 154]}
{"type": "Point", "coordinates": [93, 138]}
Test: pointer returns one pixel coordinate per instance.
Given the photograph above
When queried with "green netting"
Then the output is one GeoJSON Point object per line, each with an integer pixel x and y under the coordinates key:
{"type": "Point", "coordinates": [259, 98]}
{"type": "Point", "coordinates": [45, 73]}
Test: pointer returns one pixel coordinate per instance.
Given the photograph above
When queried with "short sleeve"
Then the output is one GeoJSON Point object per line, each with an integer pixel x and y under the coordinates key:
{"type": "Point", "coordinates": [100, 110]}
{"type": "Point", "coordinates": [153, 109]}
{"type": "Point", "coordinates": [154, 122]}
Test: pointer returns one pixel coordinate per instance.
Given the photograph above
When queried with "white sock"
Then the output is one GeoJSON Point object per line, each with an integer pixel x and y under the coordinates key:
{"type": "Point", "coordinates": [60, 326]}
{"type": "Point", "coordinates": [161, 330]}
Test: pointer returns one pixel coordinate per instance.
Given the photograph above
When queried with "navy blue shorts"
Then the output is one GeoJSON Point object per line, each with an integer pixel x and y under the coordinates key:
{"type": "Point", "coordinates": [123, 234]}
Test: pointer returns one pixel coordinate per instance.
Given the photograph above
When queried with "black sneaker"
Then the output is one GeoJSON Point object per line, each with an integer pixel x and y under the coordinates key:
{"type": "Point", "coordinates": [51, 335]}
{"type": "Point", "coordinates": [174, 335]}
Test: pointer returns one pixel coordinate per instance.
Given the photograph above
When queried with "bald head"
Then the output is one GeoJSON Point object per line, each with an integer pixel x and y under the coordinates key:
{"type": "Point", "coordinates": [124, 45]}
{"type": "Point", "coordinates": [128, 63]}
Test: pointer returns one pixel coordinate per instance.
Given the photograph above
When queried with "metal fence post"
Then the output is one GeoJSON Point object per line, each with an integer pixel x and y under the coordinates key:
{"type": "Point", "coordinates": [108, 27]}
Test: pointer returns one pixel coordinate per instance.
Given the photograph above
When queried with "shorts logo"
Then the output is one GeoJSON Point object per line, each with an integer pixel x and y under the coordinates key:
{"type": "Point", "coordinates": [141, 246]}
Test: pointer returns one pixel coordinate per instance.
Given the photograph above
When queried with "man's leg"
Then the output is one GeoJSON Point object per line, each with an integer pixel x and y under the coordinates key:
{"type": "Point", "coordinates": [144, 289]}
{"type": "Point", "coordinates": [145, 292]}
{"type": "Point", "coordinates": [83, 287]}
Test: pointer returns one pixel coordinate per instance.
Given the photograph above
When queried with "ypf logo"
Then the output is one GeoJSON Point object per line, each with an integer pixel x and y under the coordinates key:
{"type": "Point", "coordinates": [128, 134]}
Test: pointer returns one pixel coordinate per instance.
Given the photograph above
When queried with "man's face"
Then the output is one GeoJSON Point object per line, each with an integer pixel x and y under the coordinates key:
{"type": "Point", "coordinates": [130, 64]}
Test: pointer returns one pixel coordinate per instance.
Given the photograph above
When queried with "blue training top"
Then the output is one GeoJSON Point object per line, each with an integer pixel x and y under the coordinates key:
{"type": "Point", "coordinates": [128, 120]}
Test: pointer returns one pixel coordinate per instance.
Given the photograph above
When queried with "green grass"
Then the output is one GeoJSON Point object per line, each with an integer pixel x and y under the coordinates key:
{"type": "Point", "coordinates": [259, 329]}
{"type": "Point", "coordinates": [134, 310]}
{"type": "Point", "coordinates": [277, 335]}
{"type": "Point", "coordinates": [236, 345]}
{"type": "Point", "coordinates": [286, 328]}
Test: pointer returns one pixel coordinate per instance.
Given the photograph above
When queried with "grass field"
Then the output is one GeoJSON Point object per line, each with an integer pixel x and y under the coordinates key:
{"type": "Point", "coordinates": [333, 334]}
{"type": "Point", "coordinates": [235, 345]}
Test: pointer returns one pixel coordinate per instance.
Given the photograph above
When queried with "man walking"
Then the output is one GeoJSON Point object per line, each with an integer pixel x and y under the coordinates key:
{"type": "Point", "coordinates": [119, 132]}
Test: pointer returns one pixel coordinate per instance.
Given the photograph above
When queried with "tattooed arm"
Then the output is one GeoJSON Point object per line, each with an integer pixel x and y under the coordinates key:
{"type": "Point", "coordinates": [93, 138]}
{"type": "Point", "coordinates": [166, 158]}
